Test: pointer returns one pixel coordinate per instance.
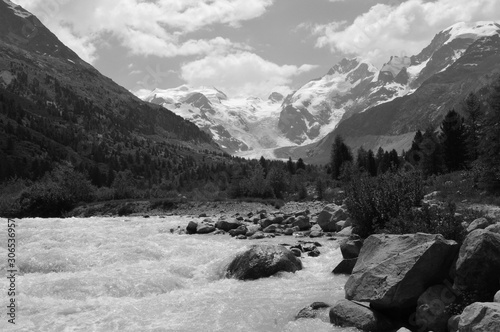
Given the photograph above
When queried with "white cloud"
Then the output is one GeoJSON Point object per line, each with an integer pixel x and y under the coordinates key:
{"type": "Point", "coordinates": [145, 28]}
{"type": "Point", "coordinates": [241, 73]}
{"type": "Point", "coordinates": [402, 28]}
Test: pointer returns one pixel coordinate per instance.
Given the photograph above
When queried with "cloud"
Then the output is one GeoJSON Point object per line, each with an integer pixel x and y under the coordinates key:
{"type": "Point", "coordinates": [144, 27]}
{"type": "Point", "coordinates": [401, 28]}
{"type": "Point", "coordinates": [241, 73]}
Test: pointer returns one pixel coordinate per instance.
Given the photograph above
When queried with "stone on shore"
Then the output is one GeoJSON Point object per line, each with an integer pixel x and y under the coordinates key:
{"type": "Point", "coordinates": [192, 227]}
{"type": "Point", "coordinates": [328, 218]}
{"type": "Point", "coordinates": [350, 314]}
{"type": "Point", "coordinates": [480, 317]}
{"type": "Point", "coordinates": [261, 261]}
{"type": "Point", "coordinates": [345, 266]}
{"type": "Point", "coordinates": [315, 310]}
{"type": "Point", "coordinates": [480, 223]}
{"type": "Point", "coordinates": [226, 225]}
{"type": "Point", "coordinates": [302, 222]}
{"type": "Point", "coordinates": [351, 248]}
{"type": "Point", "coordinates": [392, 271]}
{"type": "Point", "coordinates": [205, 229]}
{"type": "Point", "coordinates": [478, 265]}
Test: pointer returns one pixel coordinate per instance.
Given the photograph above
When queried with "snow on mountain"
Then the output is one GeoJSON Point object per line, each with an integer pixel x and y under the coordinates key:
{"type": "Point", "coordinates": [354, 86]}
{"type": "Point", "coordinates": [241, 126]}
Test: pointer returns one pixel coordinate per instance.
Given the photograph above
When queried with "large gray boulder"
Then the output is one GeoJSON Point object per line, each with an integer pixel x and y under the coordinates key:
{"type": "Point", "coordinates": [261, 261]}
{"type": "Point", "coordinates": [392, 271]}
{"type": "Point", "coordinates": [351, 248]}
{"type": "Point", "coordinates": [478, 265]}
{"type": "Point", "coordinates": [480, 317]}
{"type": "Point", "coordinates": [495, 228]}
{"type": "Point", "coordinates": [192, 227]}
{"type": "Point", "coordinates": [328, 218]}
{"type": "Point", "coordinates": [302, 222]}
{"type": "Point", "coordinates": [479, 223]}
{"type": "Point", "coordinates": [350, 314]}
{"type": "Point", "coordinates": [315, 310]}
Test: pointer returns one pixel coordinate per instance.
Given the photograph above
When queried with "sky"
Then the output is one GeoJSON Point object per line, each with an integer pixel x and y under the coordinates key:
{"type": "Point", "coordinates": [245, 47]}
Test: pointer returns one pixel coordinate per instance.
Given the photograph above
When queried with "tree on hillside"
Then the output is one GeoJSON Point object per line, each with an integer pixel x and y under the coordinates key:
{"type": "Point", "coordinates": [290, 166]}
{"type": "Point", "coordinates": [490, 142]}
{"type": "Point", "coordinates": [415, 156]}
{"type": "Point", "coordinates": [300, 164]}
{"type": "Point", "coordinates": [371, 163]}
{"type": "Point", "coordinates": [473, 111]}
{"type": "Point", "coordinates": [453, 139]}
{"type": "Point", "coordinates": [432, 153]}
{"type": "Point", "coordinates": [340, 155]}
{"type": "Point", "coordinates": [362, 159]}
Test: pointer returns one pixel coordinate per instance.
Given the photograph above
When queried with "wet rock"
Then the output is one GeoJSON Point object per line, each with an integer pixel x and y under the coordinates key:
{"type": "Point", "coordinates": [345, 266]}
{"type": "Point", "coordinates": [241, 230]}
{"type": "Point", "coordinates": [315, 234]}
{"type": "Point", "coordinates": [350, 314]}
{"type": "Point", "coordinates": [392, 271]}
{"type": "Point", "coordinates": [315, 310]}
{"type": "Point", "coordinates": [241, 237]}
{"type": "Point", "coordinates": [478, 265]}
{"type": "Point", "coordinates": [345, 232]}
{"type": "Point", "coordinates": [351, 248]}
{"type": "Point", "coordinates": [314, 253]}
{"type": "Point", "coordinates": [251, 230]}
{"type": "Point", "coordinates": [480, 317]}
{"type": "Point", "coordinates": [205, 229]}
{"type": "Point", "coordinates": [192, 227]}
{"type": "Point", "coordinates": [219, 232]}
{"type": "Point", "coordinates": [302, 222]}
{"type": "Point", "coordinates": [264, 223]}
{"type": "Point", "coordinates": [202, 215]}
{"type": "Point", "coordinates": [480, 223]}
{"type": "Point", "coordinates": [262, 261]}
{"type": "Point", "coordinates": [288, 231]}
{"type": "Point", "coordinates": [227, 225]}
{"type": "Point", "coordinates": [431, 314]}
{"type": "Point", "coordinates": [297, 252]}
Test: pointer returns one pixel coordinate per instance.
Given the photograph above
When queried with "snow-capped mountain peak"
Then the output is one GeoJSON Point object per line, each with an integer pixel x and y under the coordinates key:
{"type": "Point", "coordinates": [473, 30]}
{"type": "Point", "coordinates": [18, 10]}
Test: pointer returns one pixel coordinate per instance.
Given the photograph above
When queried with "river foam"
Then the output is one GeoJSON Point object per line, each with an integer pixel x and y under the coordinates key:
{"type": "Point", "coordinates": [133, 274]}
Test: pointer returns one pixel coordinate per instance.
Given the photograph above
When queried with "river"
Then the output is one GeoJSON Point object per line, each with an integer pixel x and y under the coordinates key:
{"type": "Point", "coordinates": [133, 274]}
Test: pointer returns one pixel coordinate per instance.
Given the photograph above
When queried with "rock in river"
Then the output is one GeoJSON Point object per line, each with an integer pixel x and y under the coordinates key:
{"type": "Point", "coordinates": [261, 261]}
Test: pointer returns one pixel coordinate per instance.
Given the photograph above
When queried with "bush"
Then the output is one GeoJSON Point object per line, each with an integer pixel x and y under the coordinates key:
{"type": "Point", "coordinates": [373, 202]}
{"type": "Point", "coordinates": [433, 220]}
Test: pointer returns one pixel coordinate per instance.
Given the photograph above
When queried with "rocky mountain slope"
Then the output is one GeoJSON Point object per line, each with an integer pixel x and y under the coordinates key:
{"type": "Point", "coordinates": [393, 124]}
{"type": "Point", "coordinates": [241, 126]}
{"type": "Point", "coordinates": [55, 106]}
{"type": "Point", "coordinates": [353, 85]}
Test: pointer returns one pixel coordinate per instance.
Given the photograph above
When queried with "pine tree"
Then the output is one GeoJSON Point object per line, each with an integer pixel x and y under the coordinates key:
{"type": "Point", "coordinates": [490, 142]}
{"type": "Point", "coordinates": [300, 164]}
{"type": "Point", "coordinates": [372, 164]}
{"type": "Point", "coordinates": [290, 166]}
{"type": "Point", "coordinates": [341, 154]}
{"type": "Point", "coordinates": [362, 159]}
{"type": "Point", "coordinates": [474, 115]}
{"type": "Point", "coordinates": [432, 152]}
{"type": "Point", "coordinates": [453, 138]}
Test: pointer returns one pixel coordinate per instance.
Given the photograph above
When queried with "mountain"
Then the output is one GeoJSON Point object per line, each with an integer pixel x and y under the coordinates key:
{"type": "Point", "coordinates": [352, 86]}
{"type": "Point", "coordinates": [55, 107]}
{"type": "Point", "coordinates": [241, 126]}
{"type": "Point", "coordinates": [393, 124]}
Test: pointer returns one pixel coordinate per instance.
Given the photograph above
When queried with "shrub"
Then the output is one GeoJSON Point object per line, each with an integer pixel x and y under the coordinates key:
{"type": "Point", "coordinates": [373, 202]}
{"type": "Point", "coordinates": [434, 220]}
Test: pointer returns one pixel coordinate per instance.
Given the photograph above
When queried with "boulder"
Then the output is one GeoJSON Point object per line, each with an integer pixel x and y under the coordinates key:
{"type": "Point", "coordinates": [497, 297]}
{"type": "Point", "coordinates": [315, 310]}
{"type": "Point", "coordinates": [241, 237]}
{"type": "Point", "coordinates": [431, 314]}
{"type": "Point", "coordinates": [495, 228]}
{"type": "Point", "coordinates": [270, 229]}
{"type": "Point", "coordinates": [302, 222]}
{"type": "Point", "coordinates": [453, 323]}
{"type": "Point", "coordinates": [202, 215]}
{"type": "Point", "coordinates": [261, 261]}
{"type": "Point", "coordinates": [350, 314]}
{"type": "Point", "coordinates": [192, 227]}
{"type": "Point", "coordinates": [205, 229]}
{"type": "Point", "coordinates": [480, 317]}
{"type": "Point", "coordinates": [226, 225]}
{"type": "Point", "coordinates": [241, 230]}
{"type": "Point", "coordinates": [351, 248]}
{"type": "Point", "coordinates": [297, 252]}
{"type": "Point", "coordinates": [478, 265]}
{"type": "Point", "coordinates": [392, 271]}
{"type": "Point", "coordinates": [288, 231]}
{"type": "Point", "coordinates": [314, 253]}
{"type": "Point", "coordinates": [345, 232]}
{"type": "Point", "coordinates": [267, 222]}
{"type": "Point", "coordinates": [339, 225]}
{"type": "Point", "coordinates": [480, 223]}
{"type": "Point", "coordinates": [328, 218]}
{"type": "Point", "coordinates": [403, 329]}
{"type": "Point", "coordinates": [251, 230]}
{"type": "Point", "coordinates": [315, 234]}
{"type": "Point", "coordinates": [345, 266]}
{"type": "Point", "coordinates": [258, 235]}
